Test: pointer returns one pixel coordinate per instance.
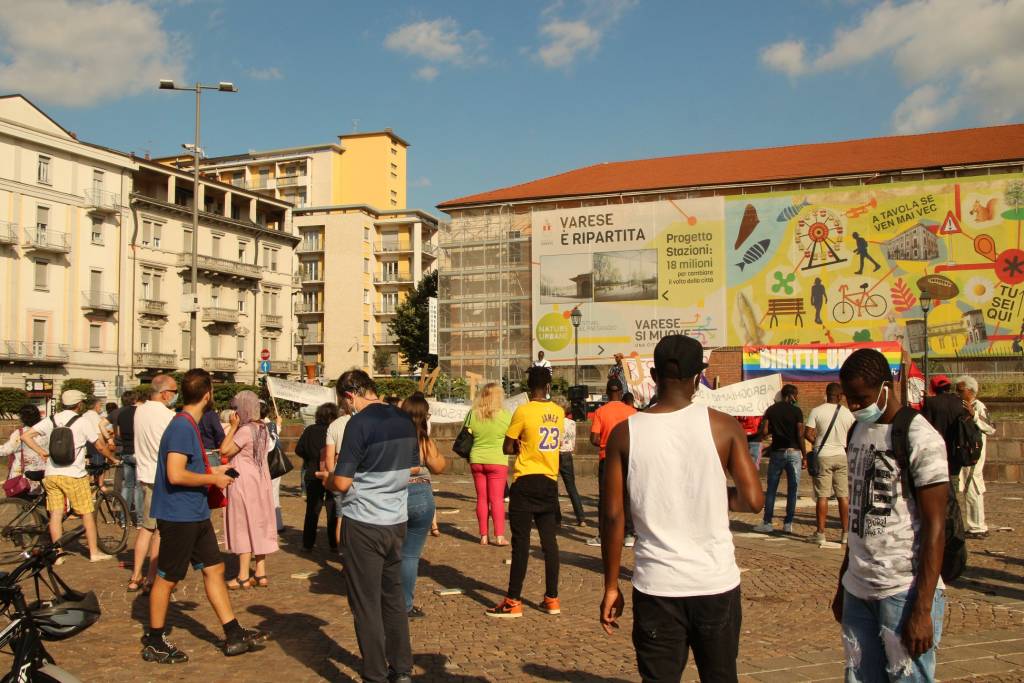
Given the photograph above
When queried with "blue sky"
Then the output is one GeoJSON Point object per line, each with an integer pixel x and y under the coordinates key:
{"type": "Point", "coordinates": [492, 94]}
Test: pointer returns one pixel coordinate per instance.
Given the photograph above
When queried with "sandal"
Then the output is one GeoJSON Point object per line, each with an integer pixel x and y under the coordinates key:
{"type": "Point", "coordinates": [434, 531]}
{"type": "Point", "coordinates": [261, 581]}
{"type": "Point", "coordinates": [139, 584]}
{"type": "Point", "coordinates": [238, 584]}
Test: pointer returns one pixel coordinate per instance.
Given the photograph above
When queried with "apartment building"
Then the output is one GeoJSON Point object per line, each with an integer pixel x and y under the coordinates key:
{"type": "Point", "coordinates": [361, 250]}
{"type": "Point", "coordinates": [95, 256]}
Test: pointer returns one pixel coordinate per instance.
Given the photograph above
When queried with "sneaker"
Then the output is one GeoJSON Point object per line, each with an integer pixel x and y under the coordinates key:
{"type": "Point", "coordinates": [416, 613]}
{"type": "Point", "coordinates": [100, 557]}
{"type": "Point", "coordinates": [842, 539]}
{"type": "Point", "coordinates": [976, 534]}
{"type": "Point", "coordinates": [161, 651]}
{"type": "Point", "coordinates": [507, 609]}
{"type": "Point", "coordinates": [629, 541]}
{"type": "Point", "coordinates": [550, 605]}
{"type": "Point", "coordinates": [594, 542]}
{"type": "Point", "coordinates": [399, 678]}
{"type": "Point", "coordinates": [818, 538]}
{"type": "Point", "coordinates": [581, 522]}
{"type": "Point", "coordinates": [249, 642]}
{"type": "Point", "coordinates": [765, 528]}
{"type": "Point", "coordinates": [787, 528]}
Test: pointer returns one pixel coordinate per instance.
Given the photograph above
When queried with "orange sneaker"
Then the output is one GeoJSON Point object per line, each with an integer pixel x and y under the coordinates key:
{"type": "Point", "coordinates": [507, 609]}
{"type": "Point", "coordinates": [551, 605]}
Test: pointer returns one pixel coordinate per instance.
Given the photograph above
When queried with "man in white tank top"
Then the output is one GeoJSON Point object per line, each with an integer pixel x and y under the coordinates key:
{"type": "Point", "coordinates": [686, 591]}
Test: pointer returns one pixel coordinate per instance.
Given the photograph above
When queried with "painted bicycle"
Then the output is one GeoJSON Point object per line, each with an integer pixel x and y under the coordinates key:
{"type": "Point", "coordinates": [858, 303]}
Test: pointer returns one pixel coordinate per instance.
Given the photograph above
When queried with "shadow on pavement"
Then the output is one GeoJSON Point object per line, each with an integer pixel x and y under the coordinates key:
{"type": "Point", "coordinates": [450, 577]}
{"type": "Point", "coordinates": [434, 669]}
{"type": "Point", "coordinates": [302, 638]}
{"type": "Point", "coordinates": [550, 673]}
{"type": "Point", "coordinates": [990, 582]}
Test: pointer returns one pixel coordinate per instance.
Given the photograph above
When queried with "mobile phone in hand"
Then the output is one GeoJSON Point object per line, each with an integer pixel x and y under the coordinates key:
{"type": "Point", "coordinates": [232, 472]}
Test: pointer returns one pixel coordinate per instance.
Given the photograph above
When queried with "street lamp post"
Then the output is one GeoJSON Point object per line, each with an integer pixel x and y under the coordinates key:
{"type": "Point", "coordinates": [926, 305]}
{"type": "Point", "coordinates": [302, 330]}
{"type": "Point", "coordinates": [223, 86]}
{"type": "Point", "coordinates": [577, 317]}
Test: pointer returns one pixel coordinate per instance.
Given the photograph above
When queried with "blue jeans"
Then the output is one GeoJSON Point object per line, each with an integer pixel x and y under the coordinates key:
{"type": "Point", "coordinates": [871, 638]}
{"type": "Point", "coordinates": [130, 489]}
{"type": "Point", "coordinates": [790, 461]}
{"type": "Point", "coordinates": [421, 519]}
{"type": "Point", "coordinates": [755, 452]}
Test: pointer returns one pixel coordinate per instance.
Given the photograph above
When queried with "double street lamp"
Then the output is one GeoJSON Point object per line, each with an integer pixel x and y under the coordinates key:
{"type": "Point", "coordinates": [223, 86]}
{"type": "Point", "coordinates": [926, 305]}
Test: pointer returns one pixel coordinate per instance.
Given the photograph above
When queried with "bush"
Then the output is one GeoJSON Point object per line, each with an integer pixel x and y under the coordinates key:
{"type": "Point", "coordinates": [451, 387]}
{"type": "Point", "coordinates": [144, 390]}
{"type": "Point", "coordinates": [86, 386]}
{"type": "Point", "coordinates": [11, 401]}
{"type": "Point", "coordinates": [223, 393]}
{"type": "Point", "coordinates": [402, 387]}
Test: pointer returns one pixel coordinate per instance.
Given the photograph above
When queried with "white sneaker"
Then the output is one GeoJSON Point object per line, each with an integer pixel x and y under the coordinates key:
{"type": "Point", "coordinates": [100, 557]}
{"type": "Point", "coordinates": [787, 528]}
{"type": "Point", "coordinates": [842, 539]}
{"type": "Point", "coordinates": [629, 541]}
{"type": "Point", "coordinates": [765, 528]}
{"type": "Point", "coordinates": [594, 542]}
{"type": "Point", "coordinates": [818, 538]}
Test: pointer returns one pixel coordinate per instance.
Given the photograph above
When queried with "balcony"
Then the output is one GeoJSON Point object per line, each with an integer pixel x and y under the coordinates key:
{"type": "Point", "coordinates": [310, 247]}
{"type": "Point", "coordinates": [209, 264]}
{"type": "Point", "coordinates": [272, 320]}
{"type": "Point", "coordinates": [381, 309]}
{"type": "Point", "coordinates": [152, 307]}
{"type": "Point", "coordinates": [155, 361]}
{"type": "Point", "coordinates": [101, 201]}
{"type": "Point", "coordinates": [213, 314]}
{"type": "Point", "coordinates": [296, 280]}
{"type": "Point", "coordinates": [99, 301]}
{"type": "Point", "coordinates": [218, 364]}
{"type": "Point", "coordinates": [311, 278]}
{"type": "Point", "coordinates": [8, 233]}
{"type": "Point", "coordinates": [34, 352]}
{"type": "Point", "coordinates": [309, 309]}
{"type": "Point", "coordinates": [392, 278]}
{"type": "Point", "coordinates": [312, 339]}
{"type": "Point", "coordinates": [386, 339]}
{"type": "Point", "coordinates": [290, 180]}
{"type": "Point", "coordinates": [392, 246]}
{"type": "Point", "coordinates": [42, 239]}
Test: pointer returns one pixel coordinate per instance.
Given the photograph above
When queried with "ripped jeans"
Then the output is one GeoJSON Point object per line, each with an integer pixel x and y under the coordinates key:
{"type": "Point", "coordinates": [871, 638]}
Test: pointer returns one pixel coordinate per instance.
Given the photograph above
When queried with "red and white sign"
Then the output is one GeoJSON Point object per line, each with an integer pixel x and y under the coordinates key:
{"type": "Point", "coordinates": [950, 226]}
{"type": "Point", "coordinates": [265, 354]}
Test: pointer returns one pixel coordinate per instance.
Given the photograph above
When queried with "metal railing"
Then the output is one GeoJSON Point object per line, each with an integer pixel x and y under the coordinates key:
{"type": "Point", "coordinates": [284, 366]}
{"type": "Point", "coordinates": [214, 314]}
{"type": "Point", "coordinates": [102, 200]}
{"type": "Point", "coordinates": [309, 247]}
{"type": "Point", "coordinates": [311, 340]}
{"type": "Point", "coordinates": [272, 320]}
{"type": "Point", "coordinates": [382, 278]}
{"type": "Point", "coordinates": [391, 246]}
{"type": "Point", "coordinates": [47, 240]}
{"type": "Point", "coordinates": [302, 309]}
{"type": "Point", "coordinates": [219, 364]}
{"type": "Point", "coordinates": [8, 233]}
{"type": "Point", "coordinates": [387, 339]}
{"type": "Point", "coordinates": [156, 361]}
{"type": "Point", "coordinates": [152, 307]}
{"type": "Point", "coordinates": [380, 309]}
{"type": "Point", "coordinates": [311, 277]}
{"type": "Point", "coordinates": [99, 301]}
{"type": "Point", "coordinates": [34, 351]}
{"type": "Point", "coordinates": [220, 265]}
{"type": "Point", "coordinates": [289, 180]}
{"type": "Point", "coordinates": [296, 280]}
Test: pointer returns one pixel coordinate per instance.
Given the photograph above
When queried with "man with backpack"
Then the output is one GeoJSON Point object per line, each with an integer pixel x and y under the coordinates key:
{"type": "Point", "coordinates": [65, 478]}
{"type": "Point", "coordinates": [890, 595]}
{"type": "Point", "coordinates": [945, 411]}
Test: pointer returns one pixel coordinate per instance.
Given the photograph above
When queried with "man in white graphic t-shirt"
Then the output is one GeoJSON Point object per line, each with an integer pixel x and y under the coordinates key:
{"type": "Point", "coordinates": [890, 595]}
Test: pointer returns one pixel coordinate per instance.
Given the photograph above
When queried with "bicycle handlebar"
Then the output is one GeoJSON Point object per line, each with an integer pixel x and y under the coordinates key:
{"type": "Point", "coordinates": [34, 557]}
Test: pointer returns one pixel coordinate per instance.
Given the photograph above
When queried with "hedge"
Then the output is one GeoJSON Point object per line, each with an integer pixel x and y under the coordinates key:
{"type": "Point", "coordinates": [86, 386]}
{"type": "Point", "coordinates": [11, 401]}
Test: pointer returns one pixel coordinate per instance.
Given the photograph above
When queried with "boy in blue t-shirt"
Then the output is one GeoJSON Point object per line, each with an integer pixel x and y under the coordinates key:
{"type": "Point", "coordinates": [186, 533]}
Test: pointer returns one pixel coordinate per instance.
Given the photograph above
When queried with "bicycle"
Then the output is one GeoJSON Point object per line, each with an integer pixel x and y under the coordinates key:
{"type": "Point", "coordinates": [65, 615]}
{"type": "Point", "coordinates": [24, 522]}
{"type": "Point", "coordinates": [865, 302]}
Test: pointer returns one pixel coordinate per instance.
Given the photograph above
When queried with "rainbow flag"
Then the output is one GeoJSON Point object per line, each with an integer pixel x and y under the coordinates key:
{"type": "Point", "coordinates": [812, 362]}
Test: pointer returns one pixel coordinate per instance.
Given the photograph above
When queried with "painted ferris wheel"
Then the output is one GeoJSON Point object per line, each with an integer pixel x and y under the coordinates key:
{"type": "Point", "coordinates": [819, 235]}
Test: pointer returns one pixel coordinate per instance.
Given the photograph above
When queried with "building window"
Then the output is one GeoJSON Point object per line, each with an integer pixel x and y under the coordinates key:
{"type": "Point", "coordinates": [97, 181]}
{"type": "Point", "coordinates": [215, 247]}
{"type": "Point", "coordinates": [94, 337]}
{"type": "Point", "coordinates": [366, 296]}
{"type": "Point", "coordinates": [151, 234]}
{"type": "Point", "coordinates": [366, 359]}
{"type": "Point", "coordinates": [38, 335]}
{"type": "Point", "coordinates": [215, 346]}
{"type": "Point", "coordinates": [366, 328]}
{"type": "Point", "coordinates": [147, 285]}
{"type": "Point", "coordinates": [241, 301]}
{"type": "Point", "coordinates": [95, 281]}
{"type": "Point", "coordinates": [394, 151]}
{"type": "Point", "coordinates": [42, 220]}
{"type": "Point", "coordinates": [390, 269]}
{"type": "Point", "coordinates": [366, 265]}
{"type": "Point", "coordinates": [389, 301]}
{"type": "Point", "coordinates": [215, 295]}
{"type": "Point", "coordinates": [157, 280]}
{"type": "Point", "coordinates": [242, 247]}
{"type": "Point", "coordinates": [270, 259]}
{"type": "Point", "coordinates": [241, 348]}
{"type": "Point", "coordinates": [42, 282]}
{"type": "Point", "coordinates": [97, 231]}
{"type": "Point", "coordinates": [43, 170]}
{"type": "Point", "coordinates": [366, 234]}
{"type": "Point", "coordinates": [187, 241]}
{"type": "Point", "coordinates": [186, 343]}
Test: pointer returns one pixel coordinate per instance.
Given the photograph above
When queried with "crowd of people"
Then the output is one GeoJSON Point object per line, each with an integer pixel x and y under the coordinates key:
{"type": "Point", "coordinates": [664, 476]}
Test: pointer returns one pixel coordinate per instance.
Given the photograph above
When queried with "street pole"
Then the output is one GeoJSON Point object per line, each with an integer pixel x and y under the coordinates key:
{"type": "Point", "coordinates": [576, 361]}
{"type": "Point", "coordinates": [926, 305]}
{"type": "Point", "coordinates": [194, 317]}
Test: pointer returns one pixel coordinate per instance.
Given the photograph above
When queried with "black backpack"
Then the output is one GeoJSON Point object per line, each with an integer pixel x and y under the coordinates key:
{"type": "Point", "coordinates": [62, 443]}
{"type": "Point", "coordinates": [954, 554]}
{"type": "Point", "coordinates": [967, 441]}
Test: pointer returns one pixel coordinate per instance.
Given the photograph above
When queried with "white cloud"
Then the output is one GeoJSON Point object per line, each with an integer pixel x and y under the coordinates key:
{"type": "Point", "coordinates": [422, 181]}
{"type": "Point", "coordinates": [439, 41]}
{"type": "Point", "coordinates": [83, 52]}
{"type": "Point", "coordinates": [959, 56]}
{"type": "Point", "coordinates": [270, 73]}
{"type": "Point", "coordinates": [427, 73]}
{"type": "Point", "coordinates": [565, 40]}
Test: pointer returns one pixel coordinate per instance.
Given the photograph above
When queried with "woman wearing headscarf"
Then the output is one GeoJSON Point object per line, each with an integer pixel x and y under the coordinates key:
{"type": "Point", "coordinates": [249, 525]}
{"type": "Point", "coordinates": [24, 460]}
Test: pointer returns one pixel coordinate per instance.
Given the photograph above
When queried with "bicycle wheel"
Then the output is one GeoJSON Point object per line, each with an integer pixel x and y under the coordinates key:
{"type": "Point", "coordinates": [843, 312]}
{"type": "Point", "coordinates": [111, 529]}
{"type": "Point", "coordinates": [875, 306]}
{"type": "Point", "coordinates": [23, 526]}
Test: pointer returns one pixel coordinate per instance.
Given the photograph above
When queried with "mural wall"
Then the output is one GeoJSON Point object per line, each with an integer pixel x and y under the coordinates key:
{"type": "Point", "coordinates": [831, 266]}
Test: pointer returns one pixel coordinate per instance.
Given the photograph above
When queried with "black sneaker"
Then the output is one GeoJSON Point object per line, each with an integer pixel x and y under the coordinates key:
{"type": "Point", "coordinates": [416, 613]}
{"type": "Point", "coordinates": [249, 642]}
{"type": "Point", "coordinates": [161, 651]}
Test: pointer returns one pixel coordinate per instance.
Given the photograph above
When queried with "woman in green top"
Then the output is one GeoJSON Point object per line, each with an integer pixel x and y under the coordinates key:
{"type": "Point", "coordinates": [489, 421]}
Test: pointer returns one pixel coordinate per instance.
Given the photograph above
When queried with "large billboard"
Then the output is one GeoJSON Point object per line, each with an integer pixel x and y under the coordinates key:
{"type": "Point", "coordinates": [815, 266]}
{"type": "Point", "coordinates": [635, 272]}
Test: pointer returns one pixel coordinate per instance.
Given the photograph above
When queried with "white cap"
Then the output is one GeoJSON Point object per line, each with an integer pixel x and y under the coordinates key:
{"type": "Point", "coordinates": [72, 397]}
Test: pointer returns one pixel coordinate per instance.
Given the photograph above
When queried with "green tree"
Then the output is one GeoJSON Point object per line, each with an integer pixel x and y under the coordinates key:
{"type": "Point", "coordinates": [86, 386]}
{"type": "Point", "coordinates": [1014, 197]}
{"type": "Point", "coordinates": [11, 400]}
{"type": "Point", "coordinates": [381, 361]}
{"type": "Point", "coordinates": [410, 324]}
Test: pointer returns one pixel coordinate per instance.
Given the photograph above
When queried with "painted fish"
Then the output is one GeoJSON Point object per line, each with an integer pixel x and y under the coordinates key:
{"type": "Point", "coordinates": [752, 332]}
{"type": "Point", "coordinates": [755, 252]}
{"type": "Point", "coordinates": [747, 225]}
{"type": "Point", "coordinates": [791, 211]}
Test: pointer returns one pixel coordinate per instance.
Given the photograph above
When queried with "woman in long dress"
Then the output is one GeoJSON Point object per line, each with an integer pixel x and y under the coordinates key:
{"type": "Point", "coordinates": [249, 524]}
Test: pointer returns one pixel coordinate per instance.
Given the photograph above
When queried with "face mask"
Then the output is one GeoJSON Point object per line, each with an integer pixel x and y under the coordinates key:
{"type": "Point", "coordinates": [172, 401]}
{"type": "Point", "coordinates": [873, 412]}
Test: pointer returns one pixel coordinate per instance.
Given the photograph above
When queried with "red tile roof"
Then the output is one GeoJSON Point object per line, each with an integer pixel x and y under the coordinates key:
{"type": "Point", "coordinates": [894, 153]}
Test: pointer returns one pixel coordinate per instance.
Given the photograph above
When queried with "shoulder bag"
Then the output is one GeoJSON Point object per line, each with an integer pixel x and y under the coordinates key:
{"type": "Point", "coordinates": [812, 457]}
{"type": "Point", "coordinates": [215, 496]}
{"type": "Point", "coordinates": [19, 485]}
{"type": "Point", "coordinates": [463, 444]}
{"type": "Point", "coordinates": [278, 463]}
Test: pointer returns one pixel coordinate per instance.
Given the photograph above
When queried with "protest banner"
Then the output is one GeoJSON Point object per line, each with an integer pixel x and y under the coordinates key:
{"type": "Point", "coordinates": [443, 411]}
{"type": "Point", "coordinates": [751, 397]}
{"type": "Point", "coordinates": [812, 362]}
{"type": "Point", "coordinates": [298, 392]}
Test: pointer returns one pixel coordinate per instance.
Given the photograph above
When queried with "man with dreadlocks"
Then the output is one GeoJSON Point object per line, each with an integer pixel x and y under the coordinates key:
{"type": "Point", "coordinates": [890, 595]}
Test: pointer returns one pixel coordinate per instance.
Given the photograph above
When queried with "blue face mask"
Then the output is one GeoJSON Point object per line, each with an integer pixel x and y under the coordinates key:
{"type": "Point", "coordinates": [873, 412]}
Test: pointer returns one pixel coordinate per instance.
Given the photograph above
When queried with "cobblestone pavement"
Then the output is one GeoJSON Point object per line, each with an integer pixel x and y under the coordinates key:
{"type": "Point", "coordinates": [788, 632]}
